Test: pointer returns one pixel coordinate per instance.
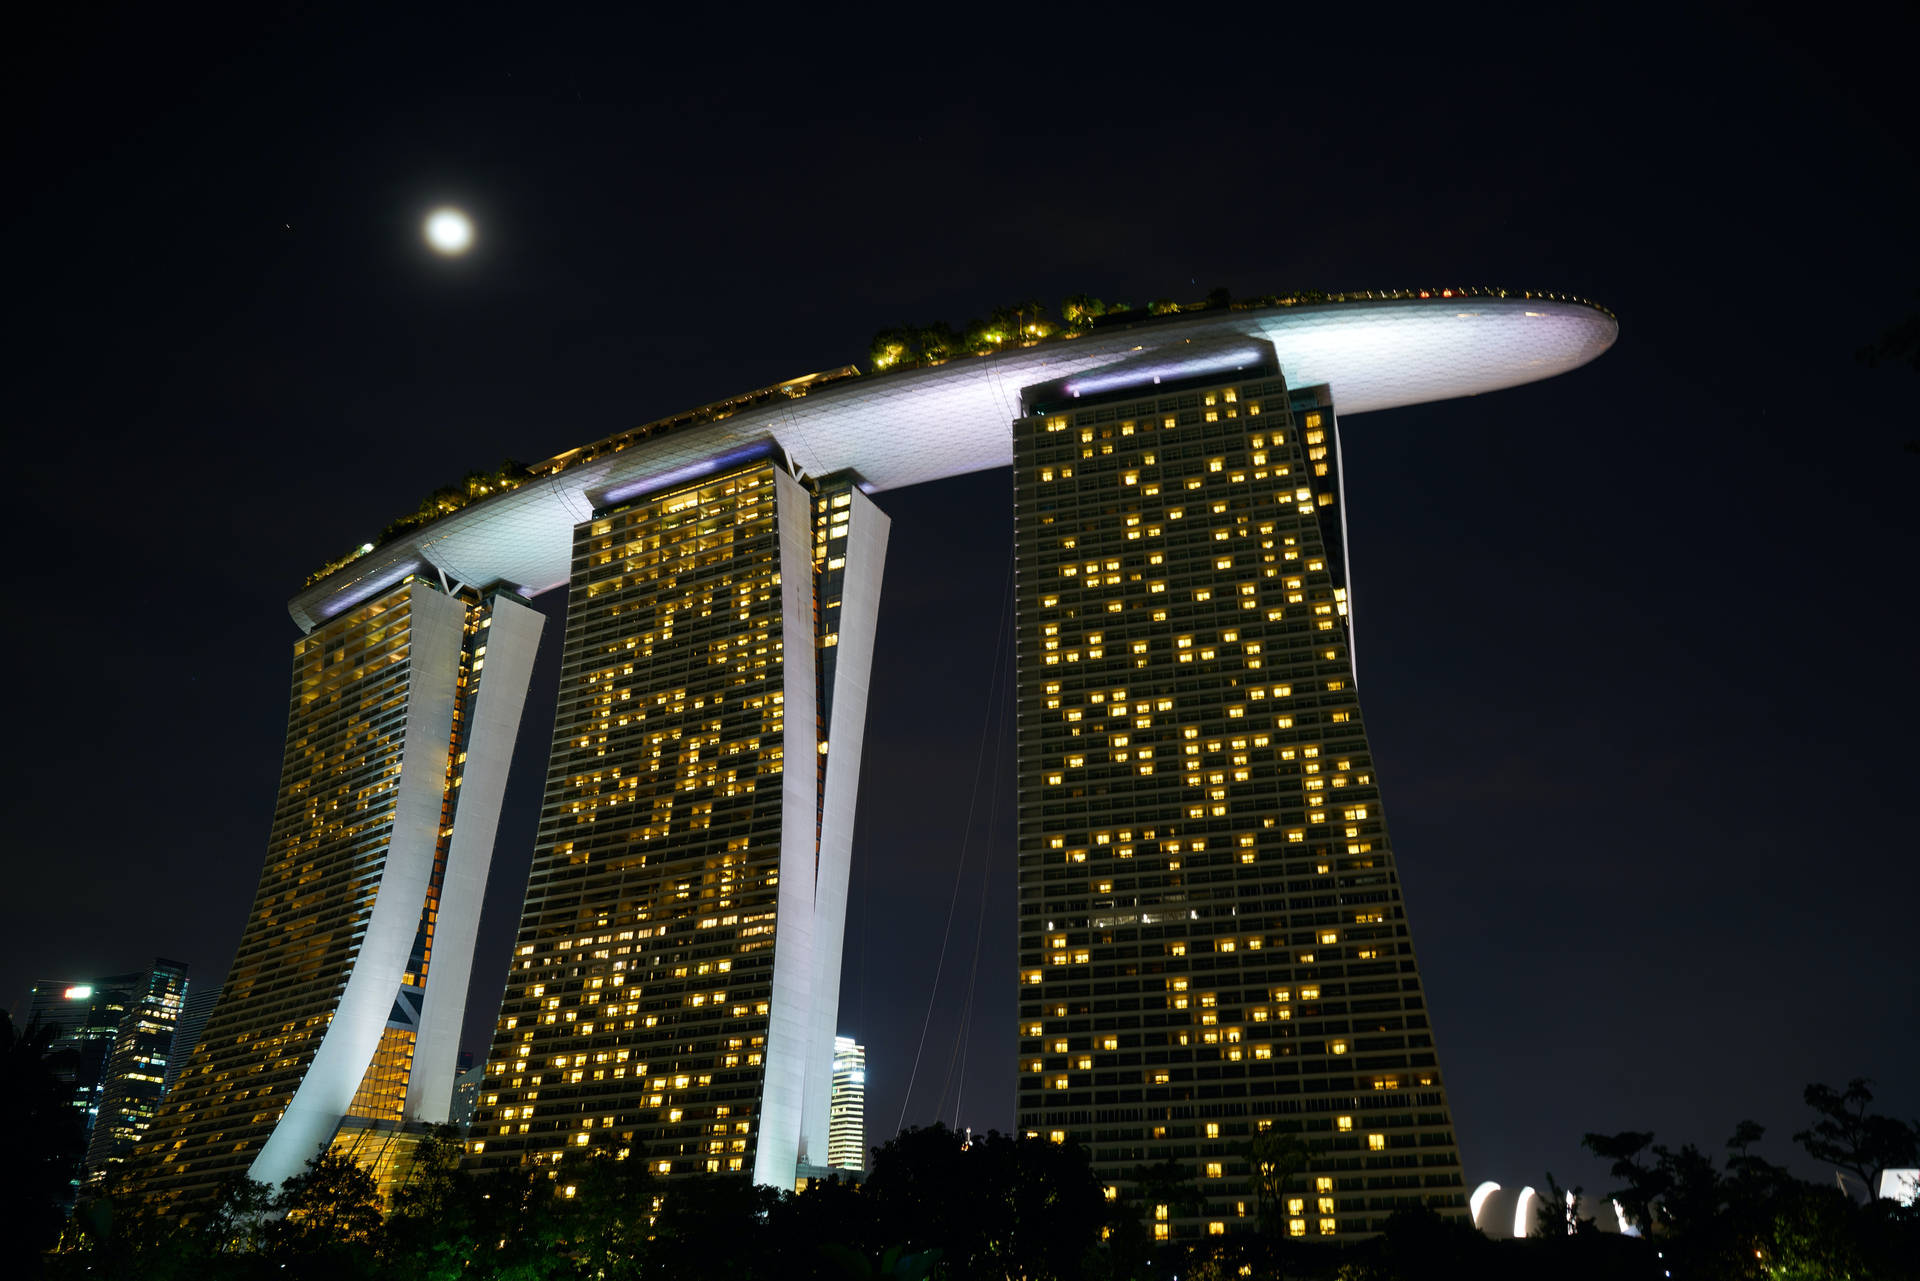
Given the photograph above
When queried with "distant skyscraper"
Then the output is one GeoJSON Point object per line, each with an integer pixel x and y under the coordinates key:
{"type": "Point", "coordinates": [86, 1014]}
{"type": "Point", "coordinates": [202, 994]}
{"type": "Point", "coordinates": [847, 1137]}
{"type": "Point", "coordinates": [339, 1019]}
{"type": "Point", "coordinates": [466, 1096]}
{"type": "Point", "coordinates": [1212, 943]}
{"type": "Point", "coordinates": [674, 984]}
{"type": "Point", "coordinates": [119, 1029]}
{"type": "Point", "coordinates": [135, 1078]}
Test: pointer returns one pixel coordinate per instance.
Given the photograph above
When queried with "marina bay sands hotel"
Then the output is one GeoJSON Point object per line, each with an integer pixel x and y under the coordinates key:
{"type": "Point", "coordinates": [1212, 940]}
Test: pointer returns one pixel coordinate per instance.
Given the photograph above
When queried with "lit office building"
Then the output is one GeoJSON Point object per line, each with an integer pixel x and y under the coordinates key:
{"type": "Point", "coordinates": [1212, 940]}
{"type": "Point", "coordinates": [118, 1033]}
{"type": "Point", "coordinates": [847, 1133]}
{"type": "Point", "coordinates": [466, 1096]}
{"type": "Point", "coordinates": [135, 1078]}
{"type": "Point", "coordinates": [201, 996]}
{"type": "Point", "coordinates": [338, 1022]}
{"type": "Point", "coordinates": [674, 983]}
{"type": "Point", "coordinates": [85, 1014]}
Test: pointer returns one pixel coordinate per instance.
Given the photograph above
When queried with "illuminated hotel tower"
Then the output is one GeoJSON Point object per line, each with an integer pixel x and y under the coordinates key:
{"type": "Point", "coordinates": [1212, 943]}
{"type": "Point", "coordinates": [341, 1014]}
{"type": "Point", "coordinates": [673, 987]}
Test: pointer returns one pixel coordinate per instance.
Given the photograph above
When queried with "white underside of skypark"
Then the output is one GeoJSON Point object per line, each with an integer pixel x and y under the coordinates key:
{"type": "Point", "coordinates": [905, 428]}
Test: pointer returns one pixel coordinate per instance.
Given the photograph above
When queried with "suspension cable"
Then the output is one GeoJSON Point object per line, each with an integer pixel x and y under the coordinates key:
{"type": "Point", "coordinates": [1000, 633]}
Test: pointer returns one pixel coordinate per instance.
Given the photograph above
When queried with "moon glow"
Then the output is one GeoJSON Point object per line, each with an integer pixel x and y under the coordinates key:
{"type": "Point", "coordinates": [449, 232]}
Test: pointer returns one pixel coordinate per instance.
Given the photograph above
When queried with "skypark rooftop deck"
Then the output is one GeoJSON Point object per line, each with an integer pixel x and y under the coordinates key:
{"type": "Point", "coordinates": [1376, 351]}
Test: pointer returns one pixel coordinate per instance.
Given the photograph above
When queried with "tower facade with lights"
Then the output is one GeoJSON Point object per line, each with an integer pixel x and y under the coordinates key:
{"type": "Point", "coordinates": [1213, 950]}
{"type": "Point", "coordinates": [135, 1075]}
{"type": "Point", "coordinates": [115, 1035]}
{"type": "Point", "coordinates": [847, 1138]}
{"type": "Point", "coordinates": [339, 1021]}
{"type": "Point", "coordinates": [675, 979]}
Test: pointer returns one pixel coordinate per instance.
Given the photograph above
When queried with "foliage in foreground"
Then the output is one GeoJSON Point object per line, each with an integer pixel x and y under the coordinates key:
{"type": "Point", "coordinates": [938, 1207]}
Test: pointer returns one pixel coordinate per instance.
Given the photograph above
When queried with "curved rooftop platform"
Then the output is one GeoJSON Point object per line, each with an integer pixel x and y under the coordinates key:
{"type": "Point", "coordinates": [902, 428]}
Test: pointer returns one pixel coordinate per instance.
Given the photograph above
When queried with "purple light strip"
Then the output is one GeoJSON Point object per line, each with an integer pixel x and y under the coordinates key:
{"type": "Point", "coordinates": [681, 475]}
{"type": "Point", "coordinates": [1148, 374]}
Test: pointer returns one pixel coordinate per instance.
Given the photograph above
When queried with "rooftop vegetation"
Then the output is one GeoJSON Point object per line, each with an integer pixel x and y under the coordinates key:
{"type": "Point", "coordinates": [1026, 323]}
{"type": "Point", "coordinates": [443, 501]}
{"type": "Point", "coordinates": [1020, 324]}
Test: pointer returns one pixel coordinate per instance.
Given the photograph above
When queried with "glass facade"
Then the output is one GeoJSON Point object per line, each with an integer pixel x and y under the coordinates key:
{"type": "Point", "coordinates": [1212, 942]}
{"type": "Point", "coordinates": [662, 1001]}
{"type": "Point", "coordinates": [320, 1015]}
{"type": "Point", "coordinates": [136, 1070]}
{"type": "Point", "coordinates": [117, 1035]}
{"type": "Point", "coordinates": [847, 1144]}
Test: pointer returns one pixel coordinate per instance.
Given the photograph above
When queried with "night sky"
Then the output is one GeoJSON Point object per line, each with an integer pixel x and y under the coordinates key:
{"type": "Point", "coordinates": [1636, 643]}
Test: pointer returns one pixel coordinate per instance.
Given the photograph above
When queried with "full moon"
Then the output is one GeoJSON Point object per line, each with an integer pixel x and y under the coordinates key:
{"type": "Point", "coordinates": [449, 231]}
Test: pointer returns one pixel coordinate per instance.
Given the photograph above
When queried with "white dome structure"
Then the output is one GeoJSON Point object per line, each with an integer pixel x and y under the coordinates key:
{"type": "Point", "coordinates": [1502, 1213]}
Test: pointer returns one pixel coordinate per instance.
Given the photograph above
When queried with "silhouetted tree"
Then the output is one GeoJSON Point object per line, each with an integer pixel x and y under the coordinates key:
{"type": "Point", "coordinates": [115, 1235]}
{"type": "Point", "coordinates": [711, 1227]}
{"type": "Point", "coordinates": [329, 1216]}
{"type": "Point", "coordinates": [1643, 1183]}
{"type": "Point", "coordinates": [610, 1217]}
{"type": "Point", "coordinates": [936, 342]}
{"type": "Point", "coordinates": [1854, 1139]}
{"type": "Point", "coordinates": [994, 1206]}
{"type": "Point", "coordinates": [1562, 1217]}
{"type": "Point", "coordinates": [1273, 1159]}
{"type": "Point", "coordinates": [1420, 1242]}
{"type": "Point", "coordinates": [433, 1229]}
{"type": "Point", "coordinates": [522, 1227]}
{"type": "Point", "coordinates": [42, 1135]}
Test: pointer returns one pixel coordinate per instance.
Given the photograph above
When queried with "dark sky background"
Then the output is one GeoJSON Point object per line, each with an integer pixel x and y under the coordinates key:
{"type": "Point", "coordinates": [1636, 643]}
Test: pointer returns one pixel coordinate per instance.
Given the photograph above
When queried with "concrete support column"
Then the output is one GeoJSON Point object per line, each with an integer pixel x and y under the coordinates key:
{"type": "Point", "coordinates": [501, 671]}
{"type": "Point", "coordinates": [789, 1026]}
{"type": "Point", "coordinates": [866, 554]}
{"type": "Point", "coordinates": [438, 625]}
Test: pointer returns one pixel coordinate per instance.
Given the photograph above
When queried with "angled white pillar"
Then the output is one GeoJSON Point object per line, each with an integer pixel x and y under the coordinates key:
{"type": "Point", "coordinates": [502, 669]}
{"type": "Point", "coordinates": [326, 1090]}
{"type": "Point", "coordinates": [789, 1026]}
{"type": "Point", "coordinates": [866, 554]}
